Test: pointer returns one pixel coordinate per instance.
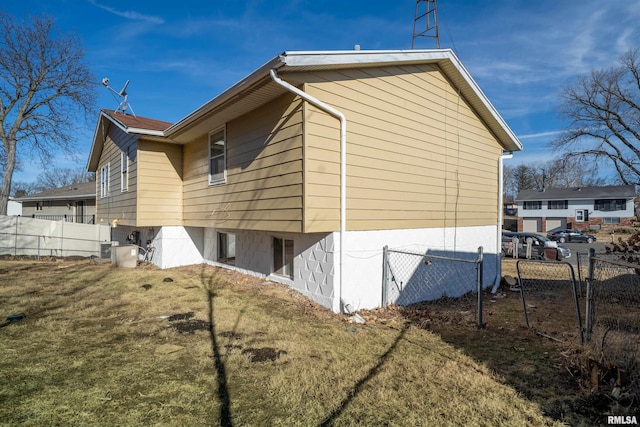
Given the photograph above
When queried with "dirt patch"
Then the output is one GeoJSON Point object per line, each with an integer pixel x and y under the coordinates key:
{"type": "Point", "coordinates": [181, 316]}
{"type": "Point", "coordinates": [191, 326]}
{"type": "Point", "coordinates": [264, 354]}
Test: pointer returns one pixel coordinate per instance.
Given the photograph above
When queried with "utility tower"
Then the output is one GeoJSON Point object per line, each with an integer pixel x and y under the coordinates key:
{"type": "Point", "coordinates": [425, 23]}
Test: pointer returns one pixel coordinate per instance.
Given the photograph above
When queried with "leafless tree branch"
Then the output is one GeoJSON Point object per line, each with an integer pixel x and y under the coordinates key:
{"type": "Point", "coordinates": [45, 89]}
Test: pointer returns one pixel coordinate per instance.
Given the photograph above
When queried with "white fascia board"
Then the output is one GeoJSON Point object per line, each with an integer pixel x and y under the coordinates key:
{"type": "Point", "coordinates": [243, 84]}
{"type": "Point", "coordinates": [129, 130]}
{"type": "Point", "coordinates": [91, 162]}
{"type": "Point", "coordinates": [344, 57]}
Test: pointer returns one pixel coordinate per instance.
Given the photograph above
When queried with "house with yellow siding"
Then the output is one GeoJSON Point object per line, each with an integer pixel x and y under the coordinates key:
{"type": "Point", "coordinates": [304, 170]}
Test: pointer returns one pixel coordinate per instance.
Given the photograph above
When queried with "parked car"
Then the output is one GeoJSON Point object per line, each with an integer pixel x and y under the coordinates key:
{"type": "Point", "coordinates": [538, 245]}
{"type": "Point", "coordinates": [563, 236]}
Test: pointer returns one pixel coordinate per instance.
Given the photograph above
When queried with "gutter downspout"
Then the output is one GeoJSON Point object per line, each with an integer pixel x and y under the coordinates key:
{"type": "Point", "coordinates": [343, 174]}
{"type": "Point", "coordinates": [500, 219]}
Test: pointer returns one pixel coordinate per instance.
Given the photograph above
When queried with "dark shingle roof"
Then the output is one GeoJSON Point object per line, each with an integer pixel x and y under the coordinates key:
{"type": "Point", "coordinates": [83, 190]}
{"type": "Point", "coordinates": [138, 122]}
{"type": "Point", "coordinates": [579, 193]}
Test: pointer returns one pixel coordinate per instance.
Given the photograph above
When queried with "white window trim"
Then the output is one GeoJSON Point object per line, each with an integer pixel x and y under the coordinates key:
{"type": "Point", "coordinates": [223, 179]}
{"type": "Point", "coordinates": [584, 214]}
{"type": "Point", "coordinates": [104, 183]}
{"type": "Point", "coordinates": [124, 171]}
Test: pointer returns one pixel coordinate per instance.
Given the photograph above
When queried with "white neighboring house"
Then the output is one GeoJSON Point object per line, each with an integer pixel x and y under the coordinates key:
{"type": "Point", "coordinates": [14, 208]}
{"type": "Point", "coordinates": [577, 208]}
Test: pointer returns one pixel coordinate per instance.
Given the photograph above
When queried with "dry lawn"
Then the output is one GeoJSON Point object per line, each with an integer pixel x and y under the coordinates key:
{"type": "Point", "coordinates": [201, 346]}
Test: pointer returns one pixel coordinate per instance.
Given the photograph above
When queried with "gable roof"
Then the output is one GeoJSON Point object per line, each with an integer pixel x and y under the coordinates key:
{"type": "Point", "coordinates": [79, 191]}
{"type": "Point", "coordinates": [150, 128]}
{"type": "Point", "coordinates": [137, 124]}
{"type": "Point", "coordinates": [579, 193]}
{"type": "Point", "coordinates": [258, 88]}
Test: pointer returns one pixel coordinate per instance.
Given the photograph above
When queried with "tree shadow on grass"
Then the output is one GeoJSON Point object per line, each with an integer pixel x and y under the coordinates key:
{"type": "Point", "coordinates": [223, 390]}
{"type": "Point", "coordinates": [329, 420]}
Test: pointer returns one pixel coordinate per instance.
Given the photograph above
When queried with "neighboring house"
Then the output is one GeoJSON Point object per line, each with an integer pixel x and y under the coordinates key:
{"type": "Point", "coordinates": [510, 216]}
{"type": "Point", "coordinates": [14, 208]}
{"type": "Point", "coordinates": [303, 172]}
{"type": "Point", "coordinates": [73, 203]}
{"type": "Point", "coordinates": [578, 208]}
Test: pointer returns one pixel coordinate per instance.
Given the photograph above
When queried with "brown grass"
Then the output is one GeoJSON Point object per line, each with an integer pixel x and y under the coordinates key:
{"type": "Point", "coordinates": [107, 346]}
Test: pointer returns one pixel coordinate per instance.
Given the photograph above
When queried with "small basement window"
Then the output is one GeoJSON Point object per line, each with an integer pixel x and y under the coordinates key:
{"type": "Point", "coordinates": [283, 257]}
{"type": "Point", "coordinates": [226, 248]}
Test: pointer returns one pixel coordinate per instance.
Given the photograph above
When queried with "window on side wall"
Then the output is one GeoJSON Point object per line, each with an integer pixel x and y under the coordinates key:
{"type": "Point", "coordinates": [217, 156]}
{"type": "Point", "coordinates": [557, 204]}
{"type": "Point", "coordinates": [104, 180]}
{"type": "Point", "coordinates": [537, 204]}
{"type": "Point", "coordinates": [124, 171]}
{"type": "Point", "coordinates": [610, 205]}
{"type": "Point", "coordinates": [226, 248]}
{"type": "Point", "coordinates": [283, 257]}
{"type": "Point", "coordinates": [611, 220]}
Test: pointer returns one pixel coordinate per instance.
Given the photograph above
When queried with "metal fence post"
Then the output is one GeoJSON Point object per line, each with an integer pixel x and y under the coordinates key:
{"type": "Point", "coordinates": [385, 275]}
{"type": "Point", "coordinates": [589, 298]}
{"type": "Point", "coordinates": [62, 239]}
{"type": "Point", "coordinates": [479, 268]}
{"type": "Point", "coordinates": [15, 248]}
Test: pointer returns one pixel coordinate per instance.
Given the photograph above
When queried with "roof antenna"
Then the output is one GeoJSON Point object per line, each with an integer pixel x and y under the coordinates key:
{"type": "Point", "coordinates": [427, 18]}
{"type": "Point", "coordinates": [124, 104]}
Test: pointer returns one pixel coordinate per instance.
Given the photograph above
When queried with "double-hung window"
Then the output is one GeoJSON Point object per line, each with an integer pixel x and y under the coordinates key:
{"type": "Point", "coordinates": [610, 205]}
{"type": "Point", "coordinates": [532, 205]}
{"type": "Point", "coordinates": [557, 204]}
{"type": "Point", "coordinates": [217, 156]}
{"type": "Point", "coordinates": [124, 171]}
{"type": "Point", "coordinates": [104, 180]}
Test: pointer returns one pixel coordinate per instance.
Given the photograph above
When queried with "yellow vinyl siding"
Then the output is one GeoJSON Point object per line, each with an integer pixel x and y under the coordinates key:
{"type": "Point", "coordinates": [263, 188]}
{"type": "Point", "coordinates": [159, 184]}
{"type": "Point", "coordinates": [117, 205]}
{"type": "Point", "coordinates": [418, 156]}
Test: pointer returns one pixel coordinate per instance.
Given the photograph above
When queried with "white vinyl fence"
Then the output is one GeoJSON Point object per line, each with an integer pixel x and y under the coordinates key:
{"type": "Point", "coordinates": [20, 236]}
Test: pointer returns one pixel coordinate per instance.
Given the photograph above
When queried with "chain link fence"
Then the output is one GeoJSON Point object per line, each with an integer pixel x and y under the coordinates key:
{"type": "Point", "coordinates": [612, 325]}
{"type": "Point", "coordinates": [411, 278]}
{"type": "Point", "coordinates": [550, 299]}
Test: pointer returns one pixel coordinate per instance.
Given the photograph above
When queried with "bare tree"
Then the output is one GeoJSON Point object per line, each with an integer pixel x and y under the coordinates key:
{"type": "Point", "coordinates": [604, 109]}
{"type": "Point", "coordinates": [44, 87]}
{"type": "Point", "coordinates": [61, 177]}
{"type": "Point", "coordinates": [556, 173]}
{"type": "Point", "coordinates": [21, 189]}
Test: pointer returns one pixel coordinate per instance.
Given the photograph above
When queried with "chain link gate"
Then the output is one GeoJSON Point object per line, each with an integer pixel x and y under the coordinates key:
{"type": "Point", "coordinates": [549, 294]}
{"type": "Point", "coordinates": [409, 278]}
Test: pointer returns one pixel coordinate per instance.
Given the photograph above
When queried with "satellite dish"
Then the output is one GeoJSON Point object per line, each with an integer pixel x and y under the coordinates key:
{"type": "Point", "coordinates": [124, 103]}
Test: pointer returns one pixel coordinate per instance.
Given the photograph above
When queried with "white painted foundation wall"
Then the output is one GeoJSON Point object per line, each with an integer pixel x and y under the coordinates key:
{"type": "Point", "coordinates": [317, 257]}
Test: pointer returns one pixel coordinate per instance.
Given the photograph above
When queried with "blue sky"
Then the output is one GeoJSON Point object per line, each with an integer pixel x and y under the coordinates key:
{"type": "Point", "coordinates": [179, 55]}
